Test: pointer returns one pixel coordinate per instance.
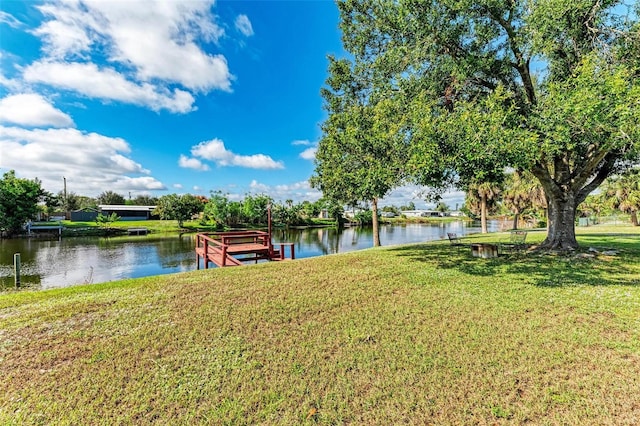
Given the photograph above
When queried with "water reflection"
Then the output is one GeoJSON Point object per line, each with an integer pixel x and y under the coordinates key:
{"type": "Point", "coordinates": [70, 261]}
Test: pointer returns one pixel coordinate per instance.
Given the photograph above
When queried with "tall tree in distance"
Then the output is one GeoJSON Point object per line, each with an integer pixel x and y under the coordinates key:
{"type": "Point", "coordinates": [111, 198]}
{"type": "Point", "coordinates": [178, 207]}
{"type": "Point", "coordinates": [19, 200]}
{"type": "Point", "coordinates": [481, 196]}
{"type": "Point", "coordinates": [145, 200]}
{"type": "Point", "coordinates": [623, 193]}
{"type": "Point", "coordinates": [550, 87]}
{"type": "Point", "coordinates": [361, 155]}
{"type": "Point", "coordinates": [522, 192]}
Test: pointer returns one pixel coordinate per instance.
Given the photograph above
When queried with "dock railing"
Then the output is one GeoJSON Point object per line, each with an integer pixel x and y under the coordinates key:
{"type": "Point", "coordinates": [221, 247]}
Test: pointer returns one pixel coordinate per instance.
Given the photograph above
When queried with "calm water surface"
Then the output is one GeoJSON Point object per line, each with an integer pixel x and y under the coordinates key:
{"type": "Point", "coordinates": [70, 261]}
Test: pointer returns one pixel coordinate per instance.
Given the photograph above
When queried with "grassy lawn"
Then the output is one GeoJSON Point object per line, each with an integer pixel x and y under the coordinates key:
{"type": "Point", "coordinates": [419, 334]}
{"type": "Point", "coordinates": [160, 226]}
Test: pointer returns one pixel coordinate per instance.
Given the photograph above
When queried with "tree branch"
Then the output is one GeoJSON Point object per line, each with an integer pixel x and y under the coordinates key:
{"type": "Point", "coordinates": [521, 64]}
{"type": "Point", "coordinates": [605, 170]}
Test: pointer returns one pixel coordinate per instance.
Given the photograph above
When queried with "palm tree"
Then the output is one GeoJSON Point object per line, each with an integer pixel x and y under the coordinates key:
{"type": "Point", "coordinates": [516, 196]}
{"type": "Point", "coordinates": [481, 196]}
{"type": "Point", "coordinates": [623, 192]}
{"type": "Point", "coordinates": [593, 205]}
{"type": "Point", "coordinates": [522, 192]}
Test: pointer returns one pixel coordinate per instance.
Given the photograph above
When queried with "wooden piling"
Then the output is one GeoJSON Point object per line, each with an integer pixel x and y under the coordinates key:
{"type": "Point", "coordinates": [16, 267]}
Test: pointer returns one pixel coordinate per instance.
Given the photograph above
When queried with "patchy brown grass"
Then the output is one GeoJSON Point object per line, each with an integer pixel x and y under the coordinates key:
{"type": "Point", "coordinates": [409, 334]}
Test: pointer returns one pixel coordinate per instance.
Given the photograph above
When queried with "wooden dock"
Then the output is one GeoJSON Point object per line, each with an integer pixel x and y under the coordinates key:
{"type": "Point", "coordinates": [137, 231]}
{"type": "Point", "coordinates": [49, 229]}
{"type": "Point", "coordinates": [234, 248]}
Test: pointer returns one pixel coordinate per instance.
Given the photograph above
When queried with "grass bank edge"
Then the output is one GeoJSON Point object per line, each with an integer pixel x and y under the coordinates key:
{"type": "Point", "coordinates": [624, 239]}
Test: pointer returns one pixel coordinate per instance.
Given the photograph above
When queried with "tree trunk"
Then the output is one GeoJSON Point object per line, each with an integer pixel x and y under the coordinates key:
{"type": "Point", "coordinates": [515, 221]}
{"type": "Point", "coordinates": [634, 218]}
{"type": "Point", "coordinates": [565, 189]}
{"type": "Point", "coordinates": [561, 223]}
{"type": "Point", "coordinates": [376, 226]}
{"type": "Point", "coordinates": [483, 213]}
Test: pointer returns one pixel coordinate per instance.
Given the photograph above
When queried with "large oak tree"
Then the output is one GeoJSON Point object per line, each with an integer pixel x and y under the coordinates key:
{"type": "Point", "coordinates": [547, 86]}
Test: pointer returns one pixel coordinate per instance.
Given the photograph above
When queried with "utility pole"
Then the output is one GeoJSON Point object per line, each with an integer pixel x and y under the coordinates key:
{"type": "Point", "coordinates": [66, 204]}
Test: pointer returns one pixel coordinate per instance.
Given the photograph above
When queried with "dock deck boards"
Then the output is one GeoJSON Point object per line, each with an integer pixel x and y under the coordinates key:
{"type": "Point", "coordinates": [234, 248]}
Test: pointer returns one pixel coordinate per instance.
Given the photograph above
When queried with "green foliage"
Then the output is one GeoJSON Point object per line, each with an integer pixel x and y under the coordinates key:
{"type": "Point", "coordinates": [74, 201]}
{"type": "Point", "coordinates": [178, 207]}
{"type": "Point", "coordinates": [310, 209]}
{"type": "Point", "coordinates": [145, 200]}
{"type": "Point", "coordinates": [391, 209]}
{"type": "Point", "coordinates": [442, 207]}
{"type": "Point", "coordinates": [252, 210]}
{"type": "Point", "coordinates": [523, 195]}
{"type": "Point", "coordinates": [111, 198]}
{"type": "Point", "coordinates": [409, 206]}
{"type": "Point", "coordinates": [19, 200]}
{"type": "Point", "coordinates": [622, 192]}
{"type": "Point", "coordinates": [288, 214]}
{"type": "Point", "coordinates": [217, 210]}
{"type": "Point", "coordinates": [364, 217]}
{"type": "Point", "coordinates": [105, 221]}
{"type": "Point", "coordinates": [360, 156]}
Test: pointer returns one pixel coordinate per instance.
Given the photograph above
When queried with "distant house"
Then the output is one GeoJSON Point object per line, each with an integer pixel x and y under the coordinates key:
{"type": "Point", "coordinates": [421, 213]}
{"type": "Point", "coordinates": [129, 212]}
{"type": "Point", "coordinates": [84, 215]}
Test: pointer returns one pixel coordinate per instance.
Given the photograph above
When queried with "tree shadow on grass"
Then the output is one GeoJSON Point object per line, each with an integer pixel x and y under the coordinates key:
{"type": "Point", "coordinates": [537, 267]}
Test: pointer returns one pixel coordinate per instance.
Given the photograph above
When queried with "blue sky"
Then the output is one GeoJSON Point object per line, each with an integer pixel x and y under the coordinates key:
{"type": "Point", "coordinates": [159, 97]}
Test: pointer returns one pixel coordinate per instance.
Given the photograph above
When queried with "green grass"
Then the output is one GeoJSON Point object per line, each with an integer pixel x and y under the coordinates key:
{"type": "Point", "coordinates": [419, 334]}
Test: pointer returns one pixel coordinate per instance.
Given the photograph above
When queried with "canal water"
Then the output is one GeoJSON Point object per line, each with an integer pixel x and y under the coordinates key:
{"type": "Point", "coordinates": [52, 263]}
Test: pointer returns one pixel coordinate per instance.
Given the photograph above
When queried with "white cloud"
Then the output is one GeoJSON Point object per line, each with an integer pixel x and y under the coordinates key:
{"type": "Point", "coordinates": [258, 187]}
{"type": "Point", "coordinates": [298, 191]}
{"type": "Point", "coordinates": [243, 24]}
{"type": "Point", "coordinates": [91, 163]}
{"type": "Point", "coordinates": [127, 164]}
{"type": "Point", "coordinates": [196, 188]}
{"type": "Point", "coordinates": [403, 194]}
{"type": "Point", "coordinates": [106, 83]}
{"type": "Point", "coordinates": [177, 185]}
{"type": "Point", "coordinates": [67, 32]}
{"type": "Point", "coordinates": [192, 163]}
{"type": "Point", "coordinates": [157, 40]}
{"type": "Point", "coordinates": [141, 183]}
{"type": "Point", "coordinates": [212, 150]}
{"type": "Point", "coordinates": [6, 18]}
{"type": "Point", "coordinates": [215, 150]}
{"type": "Point", "coordinates": [30, 109]}
{"type": "Point", "coordinates": [301, 142]}
{"type": "Point", "coordinates": [309, 153]}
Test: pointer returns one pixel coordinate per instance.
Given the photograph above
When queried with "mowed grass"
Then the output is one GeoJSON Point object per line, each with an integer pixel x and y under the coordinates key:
{"type": "Point", "coordinates": [161, 226]}
{"type": "Point", "coordinates": [420, 334]}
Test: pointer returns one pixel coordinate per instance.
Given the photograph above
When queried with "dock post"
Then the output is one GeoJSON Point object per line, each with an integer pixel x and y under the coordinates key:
{"type": "Point", "coordinates": [16, 267]}
{"type": "Point", "coordinates": [205, 258]}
